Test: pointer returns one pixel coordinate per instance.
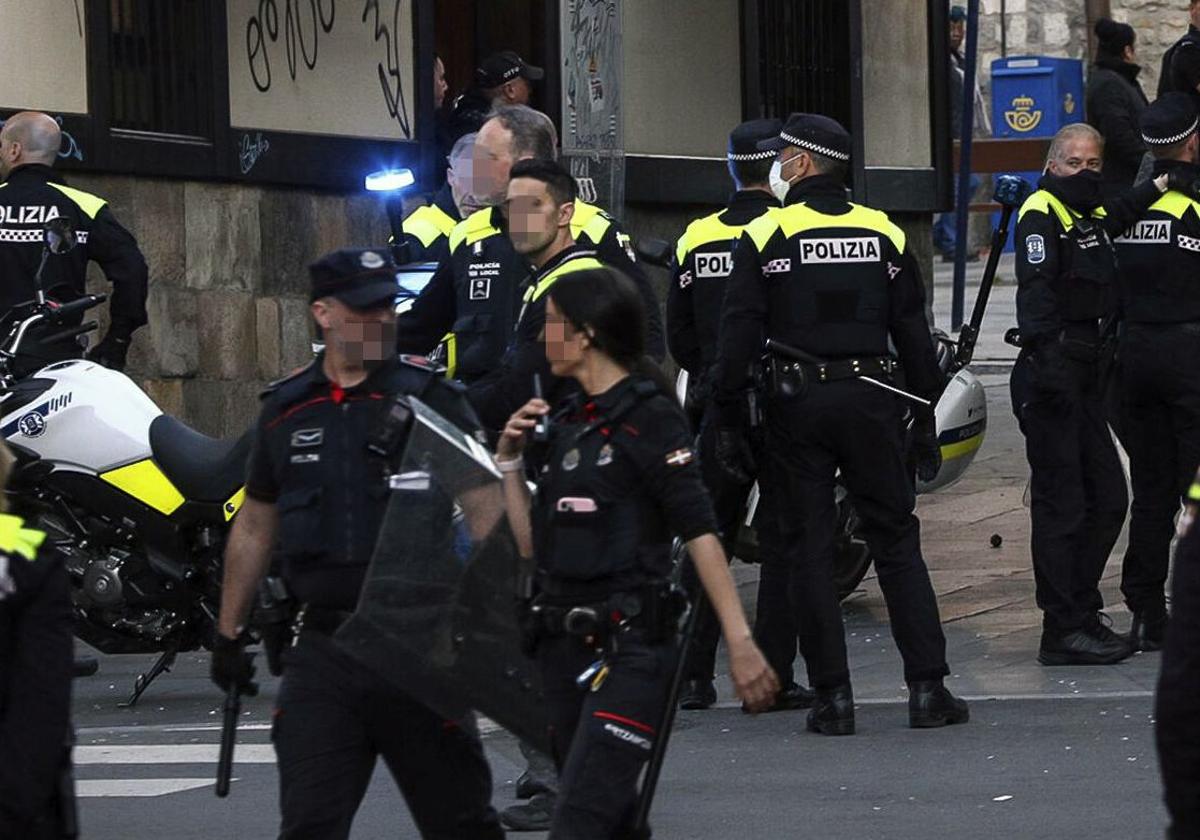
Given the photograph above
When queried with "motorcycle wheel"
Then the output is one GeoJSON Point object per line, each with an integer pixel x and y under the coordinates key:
{"type": "Point", "coordinates": [851, 556]}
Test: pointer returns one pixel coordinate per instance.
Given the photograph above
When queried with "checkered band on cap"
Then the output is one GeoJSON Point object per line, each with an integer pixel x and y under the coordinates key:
{"type": "Point", "coordinates": [814, 147]}
{"type": "Point", "coordinates": [750, 156]}
{"type": "Point", "coordinates": [1173, 139]}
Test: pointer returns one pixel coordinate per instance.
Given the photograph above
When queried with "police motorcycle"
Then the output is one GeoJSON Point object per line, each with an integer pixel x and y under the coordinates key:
{"type": "Point", "coordinates": [960, 413]}
{"type": "Point", "coordinates": [138, 504]}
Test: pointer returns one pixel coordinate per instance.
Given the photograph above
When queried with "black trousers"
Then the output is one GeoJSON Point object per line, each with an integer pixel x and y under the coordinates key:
{"type": "Point", "coordinates": [1177, 707]}
{"type": "Point", "coordinates": [334, 718]}
{"type": "Point", "coordinates": [1077, 491]}
{"type": "Point", "coordinates": [774, 623]}
{"type": "Point", "coordinates": [603, 737]}
{"type": "Point", "coordinates": [1160, 406]}
{"type": "Point", "coordinates": [36, 660]}
{"type": "Point", "coordinates": [855, 428]}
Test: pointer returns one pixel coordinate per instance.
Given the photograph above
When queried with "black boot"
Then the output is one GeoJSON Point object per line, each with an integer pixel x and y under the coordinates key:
{"type": "Point", "coordinates": [833, 711]}
{"type": "Point", "coordinates": [930, 705]}
{"type": "Point", "coordinates": [789, 699]}
{"type": "Point", "coordinates": [534, 815]}
{"type": "Point", "coordinates": [697, 694]}
{"type": "Point", "coordinates": [1085, 646]}
{"type": "Point", "coordinates": [1147, 631]}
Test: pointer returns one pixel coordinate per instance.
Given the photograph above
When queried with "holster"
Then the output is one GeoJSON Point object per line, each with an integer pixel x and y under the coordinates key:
{"type": "Point", "coordinates": [655, 609]}
{"type": "Point", "coordinates": [785, 379]}
{"type": "Point", "coordinates": [273, 616]}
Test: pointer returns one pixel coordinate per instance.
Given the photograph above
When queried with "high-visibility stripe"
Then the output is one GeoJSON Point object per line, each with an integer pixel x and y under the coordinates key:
{"type": "Point", "coordinates": [88, 203]}
{"type": "Point", "coordinates": [148, 484]}
{"type": "Point", "coordinates": [15, 538]}
{"type": "Point", "coordinates": [962, 447]}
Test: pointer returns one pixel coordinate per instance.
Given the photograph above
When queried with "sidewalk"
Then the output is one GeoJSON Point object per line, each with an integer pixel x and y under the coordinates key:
{"type": "Point", "coordinates": [991, 353]}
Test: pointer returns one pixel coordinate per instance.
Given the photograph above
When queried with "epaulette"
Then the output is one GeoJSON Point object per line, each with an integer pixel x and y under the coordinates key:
{"type": "Point", "coordinates": [273, 387]}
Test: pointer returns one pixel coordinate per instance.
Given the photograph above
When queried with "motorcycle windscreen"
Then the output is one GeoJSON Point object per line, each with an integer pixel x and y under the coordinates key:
{"type": "Point", "coordinates": [437, 615]}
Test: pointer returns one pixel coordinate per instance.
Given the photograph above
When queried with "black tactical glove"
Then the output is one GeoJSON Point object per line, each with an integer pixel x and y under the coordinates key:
{"type": "Point", "coordinates": [734, 456]}
{"type": "Point", "coordinates": [1051, 369]}
{"type": "Point", "coordinates": [110, 352]}
{"type": "Point", "coordinates": [925, 449]}
{"type": "Point", "coordinates": [232, 666]}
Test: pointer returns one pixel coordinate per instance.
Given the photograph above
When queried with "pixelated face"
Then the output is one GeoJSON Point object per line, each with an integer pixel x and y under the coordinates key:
{"type": "Point", "coordinates": [491, 162]}
{"type": "Point", "coordinates": [364, 337]}
{"type": "Point", "coordinates": [564, 344]}
{"type": "Point", "coordinates": [534, 217]}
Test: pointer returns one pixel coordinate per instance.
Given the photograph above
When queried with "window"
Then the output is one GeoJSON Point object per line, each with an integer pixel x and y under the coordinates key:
{"type": "Point", "coordinates": [803, 51]}
{"type": "Point", "coordinates": [162, 67]}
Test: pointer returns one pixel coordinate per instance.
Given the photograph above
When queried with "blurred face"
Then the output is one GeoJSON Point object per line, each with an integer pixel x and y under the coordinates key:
{"type": "Point", "coordinates": [461, 186]}
{"type": "Point", "coordinates": [439, 83]}
{"type": "Point", "coordinates": [958, 32]}
{"type": "Point", "coordinates": [566, 347]}
{"type": "Point", "coordinates": [535, 219]}
{"type": "Point", "coordinates": [491, 162]}
{"type": "Point", "coordinates": [358, 337]}
{"type": "Point", "coordinates": [1076, 155]}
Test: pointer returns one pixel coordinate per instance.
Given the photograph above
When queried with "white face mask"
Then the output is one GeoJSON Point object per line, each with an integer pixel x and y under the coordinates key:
{"type": "Point", "coordinates": [778, 185]}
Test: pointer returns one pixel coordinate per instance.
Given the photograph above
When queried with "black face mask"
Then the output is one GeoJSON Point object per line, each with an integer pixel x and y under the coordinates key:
{"type": "Point", "coordinates": [1080, 191]}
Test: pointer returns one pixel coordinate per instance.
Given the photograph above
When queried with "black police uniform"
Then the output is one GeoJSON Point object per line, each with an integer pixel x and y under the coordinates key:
{"type": "Point", "coordinates": [1066, 274]}
{"type": "Point", "coordinates": [1177, 701]}
{"type": "Point", "coordinates": [35, 683]}
{"type": "Point", "coordinates": [496, 396]}
{"type": "Point", "coordinates": [32, 195]}
{"type": "Point", "coordinates": [475, 295]}
{"type": "Point", "coordinates": [836, 280]}
{"type": "Point", "coordinates": [426, 230]}
{"type": "Point", "coordinates": [333, 717]}
{"type": "Point", "coordinates": [1159, 262]}
{"type": "Point", "coordinates": [617, 479]}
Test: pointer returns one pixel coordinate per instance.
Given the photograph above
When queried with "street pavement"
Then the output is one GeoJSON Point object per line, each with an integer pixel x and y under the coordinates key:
{"type": "Point", "coordinates": [1049, 752]}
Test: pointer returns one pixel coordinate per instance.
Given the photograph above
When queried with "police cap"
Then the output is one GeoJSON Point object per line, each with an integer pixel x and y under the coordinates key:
{"type": "Point", "coordinates": [502, 67]}
{"type": "Point", "coordinates": [1168, 120]}
{"type": "Point", "coordinates": [813, 133]}
{"type": "Point", "coordinates": [744, 140]}
{"type": "Point", "coordinates": [363, 279]}
{"type": "Point", "coordinates": [958, 13]}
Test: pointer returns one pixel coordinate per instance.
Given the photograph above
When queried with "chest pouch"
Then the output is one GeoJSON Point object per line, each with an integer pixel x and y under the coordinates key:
{"type": "Point", "coordinates": [1086, 287]}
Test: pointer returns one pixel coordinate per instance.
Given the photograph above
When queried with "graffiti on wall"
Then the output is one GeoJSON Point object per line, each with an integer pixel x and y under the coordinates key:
{"type": "Point", "coordinates": [68, 147]}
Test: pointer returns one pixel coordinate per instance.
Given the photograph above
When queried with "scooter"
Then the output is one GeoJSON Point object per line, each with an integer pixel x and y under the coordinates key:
{"type": "Point", "coordinates": [138, 504]}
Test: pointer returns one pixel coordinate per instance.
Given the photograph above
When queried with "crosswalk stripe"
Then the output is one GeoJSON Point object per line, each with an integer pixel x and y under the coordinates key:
{"type": "Point", "coordinates": [96, 788]}
{"type": "Point", "coordinates": [171, 754]}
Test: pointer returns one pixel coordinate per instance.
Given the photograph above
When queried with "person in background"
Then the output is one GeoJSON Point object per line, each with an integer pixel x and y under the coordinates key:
{"type": "Point", "coordinates": [1115, 101]}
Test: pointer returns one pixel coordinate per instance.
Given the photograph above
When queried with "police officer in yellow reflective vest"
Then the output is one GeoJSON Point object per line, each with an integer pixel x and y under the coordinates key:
{"type": "Point", "coordinates": [475, 292]}
{"type": "Point", "coordinates": [703, 260]}
{"type": "Point", "coordinates": [836, 281]}
{"type": "Point", "coordinates": [426, 230]}
{"type": "Point", "coordinates": [538, 210]}
{"type": "Point", "coordinates": [1158, 262]}
{"type": "Point", "coordinates": [1066, 304]}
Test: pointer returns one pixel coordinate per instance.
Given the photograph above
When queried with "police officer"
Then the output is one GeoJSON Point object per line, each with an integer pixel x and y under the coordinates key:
{"type": "Point", "coordinates": [537, 210]}
{"type": "Point", "coordinates": [1180, 71]}
{"type": "Point", "coordinates": [1159, 261]}
{"type": "Point", "coordinates": [836, 280]}
{"type": "Point", "coordinates": [315, 491]}
{"type": "Point", "coordinates": [426, 230]}
{"type": "Point", "coordinates": [1177, 701]}
{"type": "Point", "coordinates": [30, 196]}
{"type": "Point", "coordinates": [475, 293]}
{"type": "Point", "coordinates": [703, 260]}
{"type": "Point", "coordinates": [35, 679]}
{"type": "Point", "coordinates": [1066, 302]}
{"type": "Point", "coordinates": [617, 479]}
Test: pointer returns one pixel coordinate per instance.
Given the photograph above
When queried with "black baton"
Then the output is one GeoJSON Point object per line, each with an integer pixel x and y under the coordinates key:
{"type": "Point", "coordinates": [233, 708]}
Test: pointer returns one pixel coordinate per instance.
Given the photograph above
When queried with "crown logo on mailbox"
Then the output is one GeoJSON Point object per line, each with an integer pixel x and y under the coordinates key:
{"type": "Point", "coordinates": [1022, 117]}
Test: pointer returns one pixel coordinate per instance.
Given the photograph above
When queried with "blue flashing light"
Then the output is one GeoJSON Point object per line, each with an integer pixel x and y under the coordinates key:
{"type": "Point", "coordinates": [389, 180]}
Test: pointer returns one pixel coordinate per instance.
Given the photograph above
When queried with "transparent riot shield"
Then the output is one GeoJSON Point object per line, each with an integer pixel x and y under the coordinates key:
{"type": "Point", "coordinates": [437, 616]}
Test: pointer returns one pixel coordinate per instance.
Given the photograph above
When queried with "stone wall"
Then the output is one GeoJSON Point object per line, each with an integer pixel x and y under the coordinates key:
{"type": "Point", "coordinates": [228, 283]}
{"type": "Point", "coordinates": [1059, 28]}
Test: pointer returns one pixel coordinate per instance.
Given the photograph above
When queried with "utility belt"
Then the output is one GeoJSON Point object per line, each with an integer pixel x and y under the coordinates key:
{"type": "Point", "coordinates": [790, 378]}
{"type": "Point", "coordinates": [655, 609]}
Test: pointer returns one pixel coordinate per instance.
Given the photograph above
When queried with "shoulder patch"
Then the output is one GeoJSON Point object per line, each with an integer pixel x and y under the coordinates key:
{"type": "Point", "coordinates": [1035, 249]}
{"type": "Point", "coordinates": [680, 457]}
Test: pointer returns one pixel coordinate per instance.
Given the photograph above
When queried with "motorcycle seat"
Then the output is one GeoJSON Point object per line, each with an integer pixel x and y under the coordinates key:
{"type": "Point", "coordinates": [203, 469]}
